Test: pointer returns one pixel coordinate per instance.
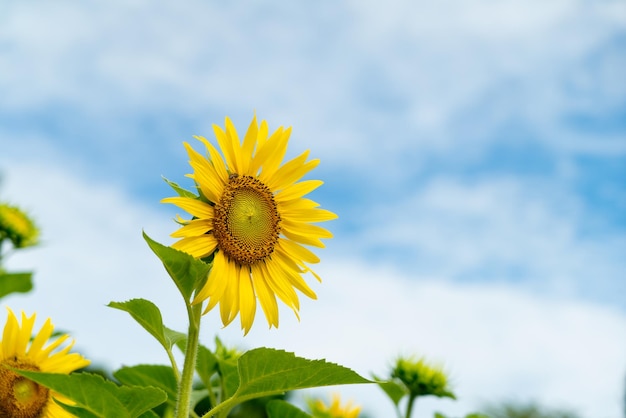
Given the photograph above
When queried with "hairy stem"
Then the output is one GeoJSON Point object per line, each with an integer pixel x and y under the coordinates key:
{"type": "Point", "coordinates": [185, 385]}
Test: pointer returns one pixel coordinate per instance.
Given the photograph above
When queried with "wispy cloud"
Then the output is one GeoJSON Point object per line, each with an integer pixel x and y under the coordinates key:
{"type": "Point", "coordinates": [473, 151]}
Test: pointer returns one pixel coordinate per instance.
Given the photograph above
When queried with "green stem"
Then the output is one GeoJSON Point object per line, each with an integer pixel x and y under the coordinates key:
{"type": "Point", "coordinates": [185, 385]}
{"type": "Point", "coordinates": [222, 409]}
{"type": "Point", "coordinates": [409, 407]}
{"type": "Point", "coordinates": [170, 355]}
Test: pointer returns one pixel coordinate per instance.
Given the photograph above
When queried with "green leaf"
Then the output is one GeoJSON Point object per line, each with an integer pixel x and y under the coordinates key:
{"type": "Point", "coordinates": [148, 315]}
{"type": "Point", "coordinates": [173, 337]}
{"type": "Point", "coordinates": [281, 409]}
{"type": "Point", "coordinates": [206, 365]}
{"type": "Point", "coordinates": [186, 271]}
{"type": "Point", "coordinates": [181, 192]}
{"type": "Point", "coordinates": [149, 414]}
{"type": "Point", "coordinates": [227, 365]}
{"type": "Point", "coordinates": [150, 375]}
{"type": "Point", "coordinates": [206, 362]}
{"type": "Point", "coordinates": [229, 372]}
{"type": "Point", "coordinates": [101, 398]}
{"type": "Point", "coordinates": [266, 371]}
{"type": "Point", "coordinates": [198, 395]}
{"type": "Point", "coordinates": [394, 390]}
{"type": "Point", "coordinates": [15, 282]}
{"type": "Point", "coordinates": [78, 412]}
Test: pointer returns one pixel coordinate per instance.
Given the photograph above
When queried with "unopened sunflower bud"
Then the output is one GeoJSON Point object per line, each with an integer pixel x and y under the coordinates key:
{"type": "Point", "coordinates": [422, 379]}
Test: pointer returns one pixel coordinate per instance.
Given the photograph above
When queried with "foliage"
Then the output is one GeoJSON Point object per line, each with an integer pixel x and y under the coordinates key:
{"type": "Point", "coordinates": [18, 231]}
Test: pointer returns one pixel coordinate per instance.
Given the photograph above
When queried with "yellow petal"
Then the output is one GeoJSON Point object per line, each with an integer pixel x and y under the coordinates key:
{"type": "Point", "coordinates": [249, 142]}
{"type": "Point", "coordinates": [9, 335]}
{"type": "Point", "coordinates": [194, 228]}
{"type": "Point", "coordinates": [205, 175]}
{"type": "Point", "coordinates": [42, 336]}
{"type": "Point", "coordinates": [304, 233]}
{"type": "Point", "coordinates": [216, 160]}
{"type": "Point", "coordinates": [303, 239]}
{"type": "Point", "coordinates": [232, 135]}
{"type": "Point", "coordinates": [278, 282]}
{"type": "Point", "coordinates": [198, 247]}
{"type": "Point", "coordinates": [229, 303]}
{"type": "Point", "coordinates": [23, 338]}
{"type": "Point", "coordinates": [301, 203]}
{"type": "Point", "coordinates": [194, 207]}
{"type": "Point", "coordinates": [309, 215]}
{"type": "Point", "coordinates": [247, 302]}
{"type": "Point", "coordinates": [291, 172]}
{"type": "Point", "coordinates": [272, 153]}
{"type": "Point", "coordinates": [216, 282]}
{"type": "Point", "coordinates": [228, 147]}
{"type": "Point", "coordinates": [297, 251]}
{"type": "Point", "coordinates": [295, 278]}
{"type": "Point", "coordinates": [267, 299]}
{"type": "Point", "coordinates": [297, 190]}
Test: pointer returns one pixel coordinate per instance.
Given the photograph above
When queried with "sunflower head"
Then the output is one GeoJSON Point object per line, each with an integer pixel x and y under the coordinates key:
{"type": "Point", "coordinates": [17, 227]}
{"type": "Point", "coordinates": [320, 409]}
{"type": "Point", "coordinates": [19, 396]}
{"type": "Point", "coordinates": [421, 378]}
{"type": "Point", "coordinates": [250, 217]}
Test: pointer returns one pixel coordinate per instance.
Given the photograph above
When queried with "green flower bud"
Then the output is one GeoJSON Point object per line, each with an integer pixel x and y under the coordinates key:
{"type": "Point", "coordinates": [421, 378]}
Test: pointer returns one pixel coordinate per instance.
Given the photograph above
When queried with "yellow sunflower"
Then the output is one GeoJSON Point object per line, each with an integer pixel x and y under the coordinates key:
{"type": "Point", "coordinates": [252, 218]}
{"type": "Point", "coordinates": [335, 410]}
{"type": "Point", "coordinates": [23, 398]}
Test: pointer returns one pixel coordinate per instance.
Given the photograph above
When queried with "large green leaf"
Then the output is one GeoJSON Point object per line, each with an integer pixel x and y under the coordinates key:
{"type": "Point", "coordinates": [229, 373]}
{"type": "Point", "coordinates": [186, 271]}
{"type": "Point", "coordinates": [267, 371]}
{"type": "Point", "coordinates": [15, 282]}
{"type": "Point", "coordinates": [148, 375]}
{"type": "Point", "coordinates": [101, 398]}
{"type": "Point", "coordinates": [148, 315]}
{"type": "Point", "coordinates": [283, 409]}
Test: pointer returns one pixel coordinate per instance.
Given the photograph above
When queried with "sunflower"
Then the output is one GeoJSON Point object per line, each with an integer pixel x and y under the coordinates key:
{"type": "Point", "coordinates": [23, 398]}
{"type": "Point", "coordinates": [17, 226]}
{"type": "Point", "coordinates": [252, 219]}
{"type": "Point", "coordinates": [335, 410]}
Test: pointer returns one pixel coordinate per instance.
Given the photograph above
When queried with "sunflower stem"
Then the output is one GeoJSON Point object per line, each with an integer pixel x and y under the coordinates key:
{"type": "Point", "coordinates": [185, 386]}
{"type": "Point", "coordinates": [409, 408]}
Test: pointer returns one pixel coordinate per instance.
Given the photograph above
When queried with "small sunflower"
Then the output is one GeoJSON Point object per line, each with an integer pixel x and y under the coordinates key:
{"type": "Point", "coordinates": [23, 398]}
{"type": "Point", "coordinates": [335, 410]}
{"type": "Point", "coordinates": [17, 226]}
{"type": "Point", "coordinates": [252, 219]}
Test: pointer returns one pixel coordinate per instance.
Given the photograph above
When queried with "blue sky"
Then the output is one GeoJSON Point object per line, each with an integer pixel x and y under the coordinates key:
{"type": "Point", "coordinates": [475, 152]}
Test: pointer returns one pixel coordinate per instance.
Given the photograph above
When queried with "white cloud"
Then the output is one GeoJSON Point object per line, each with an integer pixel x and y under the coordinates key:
{"type": "Point", "coordinates": [497, 341]}
{"type": "Point", "coordinates": [434, 62]}
{"type": "Point", "coordinates": [525, 229]}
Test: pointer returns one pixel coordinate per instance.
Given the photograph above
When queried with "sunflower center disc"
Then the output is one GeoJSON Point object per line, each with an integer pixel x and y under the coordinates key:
{"type": "Point", "coordinates": [20, 397]}
{"type": "Point", "coordinates": [246, 222]}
